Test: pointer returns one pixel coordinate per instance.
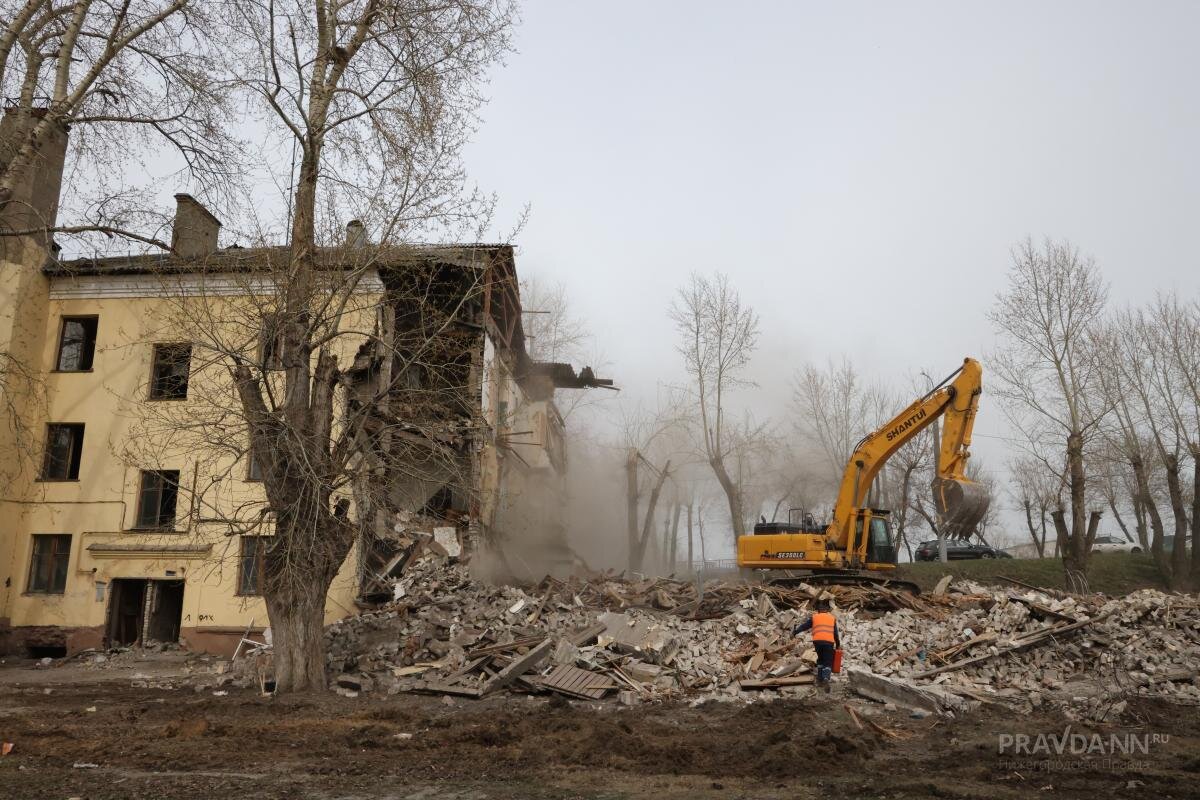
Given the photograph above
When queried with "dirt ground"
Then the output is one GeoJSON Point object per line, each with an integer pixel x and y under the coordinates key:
{"type": "Point", "coordinates": [84, 734]}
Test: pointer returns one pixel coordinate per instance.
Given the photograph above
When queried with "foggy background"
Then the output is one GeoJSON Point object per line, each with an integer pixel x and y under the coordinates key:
{"type": "Point", "coordinates": [860, 170]}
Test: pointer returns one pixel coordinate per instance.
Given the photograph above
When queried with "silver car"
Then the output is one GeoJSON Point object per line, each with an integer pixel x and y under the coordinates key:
{"type": "Point", "coordinates": [1115, 544]}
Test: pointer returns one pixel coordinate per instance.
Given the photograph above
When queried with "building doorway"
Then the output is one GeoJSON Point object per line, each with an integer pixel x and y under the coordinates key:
{"type": "Point", "coordinates": [142, 610]}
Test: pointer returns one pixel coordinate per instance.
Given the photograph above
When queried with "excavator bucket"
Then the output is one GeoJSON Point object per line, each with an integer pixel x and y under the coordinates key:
{"type": "Point", "coordinates": [961, 505]}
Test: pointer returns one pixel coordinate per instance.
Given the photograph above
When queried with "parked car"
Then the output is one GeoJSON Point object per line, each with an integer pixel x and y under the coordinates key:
{"type": "Point", "coordinates": [957, 551]}
{"type": "Point", "coordinates": [1115, 544]}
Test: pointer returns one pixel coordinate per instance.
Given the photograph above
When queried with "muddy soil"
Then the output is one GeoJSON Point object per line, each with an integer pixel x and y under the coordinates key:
{"type": "Point", "coordinates": [148, 743]}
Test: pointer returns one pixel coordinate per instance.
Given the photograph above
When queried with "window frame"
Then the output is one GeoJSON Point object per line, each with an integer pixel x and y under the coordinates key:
{"type": "Point", "coordinates": [74, 457]}
{"type": "Point", "coordinates": [259, 550]}
{"type": "Point", "coordinates": [157, 360]}
{"type": "Point", "coordinates": [251, 463]}
{"type": "Point", "coordinates": [163, 526]}
{"type": "Point", "coordinates": [33, 562]}
{"type": "Point", "coordinates": [62, 332]}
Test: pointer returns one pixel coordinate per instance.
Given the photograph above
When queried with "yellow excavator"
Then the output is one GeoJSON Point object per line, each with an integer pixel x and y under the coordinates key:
{"type": "Point", "coordinates": [856, 546]}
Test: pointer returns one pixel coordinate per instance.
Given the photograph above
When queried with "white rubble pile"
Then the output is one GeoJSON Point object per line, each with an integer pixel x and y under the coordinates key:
{"type": "Point", "coordinates": [1146, 643]}
{"type": "Point", "coordinates": [442, 615]}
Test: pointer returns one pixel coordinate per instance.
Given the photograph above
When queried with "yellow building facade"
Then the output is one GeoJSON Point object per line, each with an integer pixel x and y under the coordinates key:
{"type": "Point", "coordinates": [115, 529]}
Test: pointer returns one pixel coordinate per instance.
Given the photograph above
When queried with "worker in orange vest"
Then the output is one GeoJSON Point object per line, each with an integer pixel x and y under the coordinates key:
{"type": "Point", "coordinates": [826, 639]}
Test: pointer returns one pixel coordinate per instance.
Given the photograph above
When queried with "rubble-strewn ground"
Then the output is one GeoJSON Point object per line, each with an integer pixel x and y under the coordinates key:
{"type": "Point", "coordinates": [449, 691]}
{"type": "Point", "coordinates": [154, 743]}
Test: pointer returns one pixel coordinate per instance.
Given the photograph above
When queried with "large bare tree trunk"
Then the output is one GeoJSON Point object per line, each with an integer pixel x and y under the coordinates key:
{"type": "Point", "coordinates": [1179, 558]}
{"type": "Point", "coordinates": [732, 496]}
{"type": "Point", "coordinates": [1148, 505]}
{"type": "Point", "coordinates": [1078, 549]}
{"type": "Point", "coordinates": [674, 549]}
{"type": "Point", "coordinates": [631, 507]}
{"type": "Point", "coordinates": [297, 617]}
{"type": "Point", "coordinates": [1033, 534]}
{"type": "Point", "coordinates": [691, 551]}
{"type": "Point", "coordinates": [1139, 520]}
{"type": "Point", "coordinates": [1196, 518]}
{"type": "Point", "coordinates": [639, 554]}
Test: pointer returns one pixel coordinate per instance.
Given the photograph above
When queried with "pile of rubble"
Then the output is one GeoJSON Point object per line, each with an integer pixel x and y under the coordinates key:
{"type": "Point", "coordinates": [446, 633]}
{"type": "Point", "coordinates": [1029, 647]}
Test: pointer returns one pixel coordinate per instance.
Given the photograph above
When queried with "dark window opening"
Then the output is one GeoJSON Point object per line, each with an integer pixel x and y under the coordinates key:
{"type": "Point", "coordinates": [439, 504]}
{"type": "Point", "coordinates": [77, 344]}
{"type": "Point", "coordinates": [157, 498]}
{"type": "Point", "coordinates": [46, 651]}
{"type": "Point", "coordinates": [169, 377]}
{"type": "Point", "coordinates": [48, 563]}
{"type": "Point", "coordinates": [250, 565]}
{"type": "Point", "coordinates": [253, 468]}
{"type": "Point", "coordinates": [64, 447]}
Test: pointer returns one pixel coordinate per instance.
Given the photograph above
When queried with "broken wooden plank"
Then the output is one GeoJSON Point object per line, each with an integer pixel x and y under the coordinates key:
{"type": "Point", "coordinates": [776, 683]}
{"type": "Point", "coordinates": [585, 636]}
{"type": "Point", "coordinates": [504, 646]}
{"type": "Point", "coordinates": [468, 669]}
{"type": "Point", "coordinates": [575, 682]}
{"type": "Point", "coordinates": [1020, 644]}
{"type": "Point", "coordinates": [901, 656]}
{"type": "Point", "coordinates": [853, 715]}
{"type": "Point", "coordinates": [519, 666]}
{"type": "Point", "coordinates": [447, 688]}
{"type": "Point", "coordinates": [1023, 585]}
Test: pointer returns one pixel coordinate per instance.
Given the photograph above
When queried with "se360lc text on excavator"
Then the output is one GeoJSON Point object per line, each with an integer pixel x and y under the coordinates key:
{"type": "Point", "coordinates": [856, 547]}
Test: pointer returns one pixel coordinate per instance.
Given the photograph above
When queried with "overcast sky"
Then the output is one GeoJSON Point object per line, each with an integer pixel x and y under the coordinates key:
{"type": "Point", "coordinates": [860, 170]}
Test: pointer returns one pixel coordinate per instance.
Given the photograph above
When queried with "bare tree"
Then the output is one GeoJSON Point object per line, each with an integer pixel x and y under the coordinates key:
{"type": "Point", "coordinates": [834, 408]}
{"type": "Point", "coordinates": [1178, 334]}
{"type": "Point", "coordinates": [126, 78]}
{"type": "Point", "coordinates": [718, 334]}
{"type": "Point", "coordinates": [1151, 405]}
{"type": "Point", "coordinates": [1046, 369]}
{"type": "Point", "coordinates": [377, 98]}
{"type": "Point", "coordinates": [1038, 491]}
{"type": "Point", "coordinates": [653, 439]}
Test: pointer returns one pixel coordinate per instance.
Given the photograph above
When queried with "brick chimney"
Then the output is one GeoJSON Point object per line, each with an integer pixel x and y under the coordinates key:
{"type": "Point", "coordinates": [34, 199]}
{"type": "Point", "coordinates": [356, 233]}
{"type": "Point", "coordinates": [194, 234]}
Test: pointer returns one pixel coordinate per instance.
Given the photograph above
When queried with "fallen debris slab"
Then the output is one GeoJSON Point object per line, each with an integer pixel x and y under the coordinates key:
{"type": "Point", "coordinates": [905, 694]}
{"type": "Point", "coordinates": [519, 667]}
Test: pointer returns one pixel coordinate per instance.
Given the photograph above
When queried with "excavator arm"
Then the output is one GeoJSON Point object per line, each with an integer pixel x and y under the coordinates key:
{"type": "Point", "coordinates": [960, 501]}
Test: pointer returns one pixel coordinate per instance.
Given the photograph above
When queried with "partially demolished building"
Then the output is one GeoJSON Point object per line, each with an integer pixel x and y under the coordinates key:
{"type": "Point", "coordinates": [97, 548]}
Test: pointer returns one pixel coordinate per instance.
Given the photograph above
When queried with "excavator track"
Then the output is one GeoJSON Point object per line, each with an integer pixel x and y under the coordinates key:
{"type": "Point", "coordinates": [847, 579]}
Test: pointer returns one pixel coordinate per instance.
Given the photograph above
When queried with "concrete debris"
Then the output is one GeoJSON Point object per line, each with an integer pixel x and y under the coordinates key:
{"type": "Point", "coordinates": [447, 539]}
{"type": "Point", "coordinates": [906, 694]}
{"type": "Point", "coordinates": [644, 640]}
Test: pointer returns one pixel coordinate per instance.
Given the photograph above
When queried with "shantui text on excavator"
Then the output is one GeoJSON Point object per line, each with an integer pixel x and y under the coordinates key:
{"type": "Point", "coordinates": [856, 547]}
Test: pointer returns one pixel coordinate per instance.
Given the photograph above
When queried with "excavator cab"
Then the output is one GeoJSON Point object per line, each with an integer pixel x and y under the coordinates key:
{"type": "Point", "coordinates": [879, 546]}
